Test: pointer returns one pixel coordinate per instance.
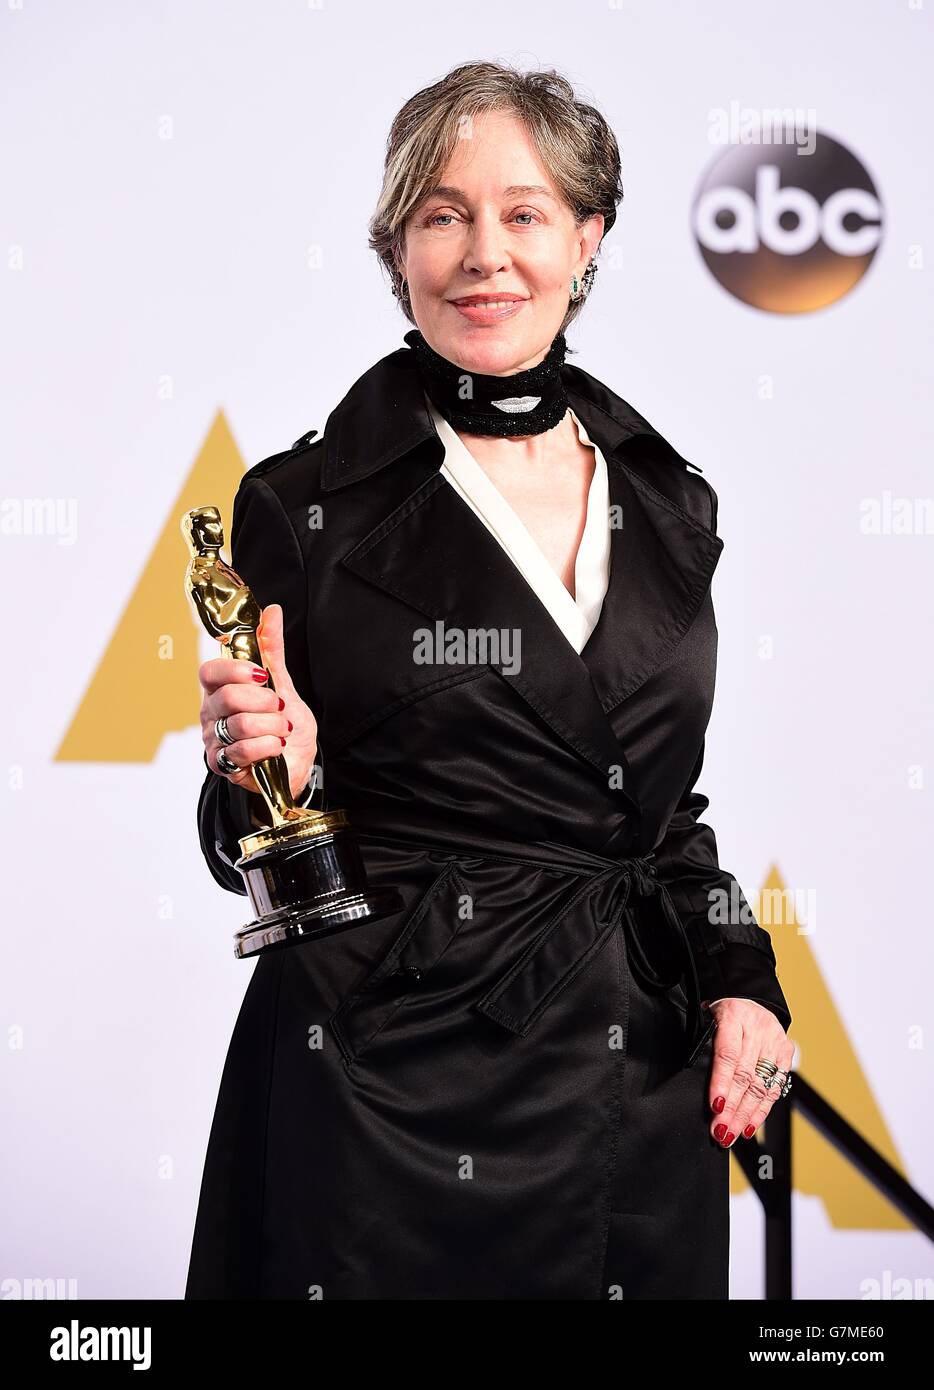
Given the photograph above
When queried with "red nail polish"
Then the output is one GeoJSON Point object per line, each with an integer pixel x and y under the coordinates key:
{"type": "Point", "coordinates": [281, 703]}
{"type": "Point", "coordinates": [749, 1131]}
{"type": "Point", "coordinates": [289, 722]}
{"type": "Point", "coordinates": [719, 1132]}
{"type": "Point", "coordinates": [282, 740]}
{"type": "Point", "coordinates": [728, 1140]}
{"type": "Point", "coordinates": [718, 1104]}
{"type": "Point", "coordinates": [260, 676]}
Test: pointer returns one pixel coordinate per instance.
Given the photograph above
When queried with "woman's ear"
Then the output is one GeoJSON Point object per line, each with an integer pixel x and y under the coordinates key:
{"type": "Point", "coordinates": [399, 255]}
{"type": "Point", "coordinates": [591, 237]}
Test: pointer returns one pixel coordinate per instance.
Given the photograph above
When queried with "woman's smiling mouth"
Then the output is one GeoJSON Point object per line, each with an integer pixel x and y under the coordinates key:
{"type": "Point", "coordinates": [488, 308]}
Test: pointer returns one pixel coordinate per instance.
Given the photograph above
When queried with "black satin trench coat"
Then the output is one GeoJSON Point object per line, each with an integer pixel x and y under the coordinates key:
{"type": "Point", "coordinates": [501, 1091]}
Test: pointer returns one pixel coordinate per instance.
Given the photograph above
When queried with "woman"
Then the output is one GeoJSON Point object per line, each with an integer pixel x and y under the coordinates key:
{"type": "Point", "coordinates": [525, 1085]}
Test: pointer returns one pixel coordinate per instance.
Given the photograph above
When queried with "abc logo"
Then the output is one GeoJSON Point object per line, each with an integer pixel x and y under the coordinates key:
{"type": "Point", "coordinates": [787, 231]}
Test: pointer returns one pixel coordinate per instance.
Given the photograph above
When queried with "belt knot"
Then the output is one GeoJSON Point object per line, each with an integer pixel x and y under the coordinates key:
{"type": "Point", "coordinates": [642, 872]}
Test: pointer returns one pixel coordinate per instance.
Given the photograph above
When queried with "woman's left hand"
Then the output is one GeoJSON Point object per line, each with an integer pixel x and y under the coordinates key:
{"type": "Point", "coordinates": [745, 1032]}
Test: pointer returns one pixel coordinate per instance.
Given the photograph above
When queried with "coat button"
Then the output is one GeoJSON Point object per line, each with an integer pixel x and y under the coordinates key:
{"type": "Point", "coordinates": [399, 981]}
{"type": "Point", "coordinates": [410, 973]}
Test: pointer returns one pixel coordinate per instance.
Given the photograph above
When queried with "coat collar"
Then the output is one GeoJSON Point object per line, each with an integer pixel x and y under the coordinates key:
{"type": "Point", "coordinates": [383, 417]}
{"type": "Point", "coordinates": [436, 555]}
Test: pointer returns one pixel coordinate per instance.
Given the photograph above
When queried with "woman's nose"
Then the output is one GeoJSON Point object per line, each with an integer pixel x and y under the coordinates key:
{"type": "Point", "coordinates": [486, 250]}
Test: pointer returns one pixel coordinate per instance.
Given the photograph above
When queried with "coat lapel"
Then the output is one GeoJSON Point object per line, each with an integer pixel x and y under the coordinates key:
{"type": "Point", "coordinates": [662, 563]}
{"type": "Point", "coordinates": [437, 556]}
{"type": "Point", "coordinates": [432, 552]}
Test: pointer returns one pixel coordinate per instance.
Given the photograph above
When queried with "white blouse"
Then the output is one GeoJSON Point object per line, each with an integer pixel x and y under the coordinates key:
{"type": "Point", "coordinates": [576, 617]}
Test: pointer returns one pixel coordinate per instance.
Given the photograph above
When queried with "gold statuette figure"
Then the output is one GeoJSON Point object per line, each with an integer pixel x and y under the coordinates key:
{"type": "Point", "coordinates": [229, 611]}
{"type": "Point", "coordinates": [304, 874]}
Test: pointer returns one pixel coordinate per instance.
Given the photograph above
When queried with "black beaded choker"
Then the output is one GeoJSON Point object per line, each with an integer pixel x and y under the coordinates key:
{"type": "Point", "coordinates": [528, 402]}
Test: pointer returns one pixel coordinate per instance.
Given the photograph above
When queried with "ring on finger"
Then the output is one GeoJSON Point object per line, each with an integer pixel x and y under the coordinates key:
{"type": "Point", "coordinates": [224, 735]}
{"type": "Point", "coordinates": [782, 1080]}
{"type": "Point", "coordinates": [224, 763]}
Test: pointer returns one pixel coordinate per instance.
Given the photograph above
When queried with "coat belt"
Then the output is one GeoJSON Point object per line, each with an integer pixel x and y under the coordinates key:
{"type": "Point", "coordinates": [573, 936]}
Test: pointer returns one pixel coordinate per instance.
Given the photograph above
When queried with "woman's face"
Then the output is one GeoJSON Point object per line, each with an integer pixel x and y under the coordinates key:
{"type": "Point", "coordinates": [496, 226]}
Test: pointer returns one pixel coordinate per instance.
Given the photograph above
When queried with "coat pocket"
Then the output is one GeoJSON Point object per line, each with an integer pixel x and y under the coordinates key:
{"type": "Point", "coordinates": [427, 932]}
{"type": "Point", "coordinates": [678, 996]}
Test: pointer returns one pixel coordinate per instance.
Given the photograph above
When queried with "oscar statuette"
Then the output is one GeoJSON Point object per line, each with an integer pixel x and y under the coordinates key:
{"type": "Point", "coordinates": [304, 873]}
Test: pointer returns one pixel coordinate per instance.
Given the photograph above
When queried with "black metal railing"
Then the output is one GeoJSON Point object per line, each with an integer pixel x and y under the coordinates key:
{"type": "Point", "coordinates": [774, 1191]}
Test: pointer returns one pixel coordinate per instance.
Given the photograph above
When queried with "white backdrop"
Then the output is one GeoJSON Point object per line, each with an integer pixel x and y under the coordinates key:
{"type": "Point", "coordinates": [185, 191]}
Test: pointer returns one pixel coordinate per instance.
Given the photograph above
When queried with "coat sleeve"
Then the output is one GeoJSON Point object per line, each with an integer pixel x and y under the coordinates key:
{"type": "Point", "coordinates": [732, 952]}
{"type": "Point", "coordinates": [265, 551]}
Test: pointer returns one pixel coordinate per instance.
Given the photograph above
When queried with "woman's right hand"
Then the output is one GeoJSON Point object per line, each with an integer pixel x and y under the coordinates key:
{"type": "Point", "coordinates": [254, 719]}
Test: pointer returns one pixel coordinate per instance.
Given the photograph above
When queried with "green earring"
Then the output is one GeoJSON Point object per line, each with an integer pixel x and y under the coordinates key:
{"type": "Point", "coordinates": [575, 287]}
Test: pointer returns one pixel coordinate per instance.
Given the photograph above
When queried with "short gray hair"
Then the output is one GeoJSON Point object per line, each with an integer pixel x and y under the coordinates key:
{"type": "Point", "coordinates": [572, 138]}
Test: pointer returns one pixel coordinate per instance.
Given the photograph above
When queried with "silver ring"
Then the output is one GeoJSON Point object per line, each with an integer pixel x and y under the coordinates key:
{"type": "Point", "coordinates": [223, 733]}
{"type": "Point", "coordinates": [225, 764]}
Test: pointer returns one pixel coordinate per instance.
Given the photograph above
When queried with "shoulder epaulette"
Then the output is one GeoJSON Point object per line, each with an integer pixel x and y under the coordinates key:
{"type": "Point", "coordinates": [650, 439]}
{"type": "Point", "coordinates": [266, 465]}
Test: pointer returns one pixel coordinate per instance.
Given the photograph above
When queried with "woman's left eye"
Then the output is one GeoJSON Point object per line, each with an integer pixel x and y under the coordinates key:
{"type": "Point", "coordinates": [524, 214]}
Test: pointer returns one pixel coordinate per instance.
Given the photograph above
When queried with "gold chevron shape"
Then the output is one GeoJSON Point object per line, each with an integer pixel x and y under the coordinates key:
{"type": "Point", "coordinates": [146, 684]}
{"type": "Point", "coordinates": [827, 1058]}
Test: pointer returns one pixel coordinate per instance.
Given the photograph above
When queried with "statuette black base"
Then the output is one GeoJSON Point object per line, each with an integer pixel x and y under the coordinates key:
{"type": "Point", "coordinates": [306, 880]}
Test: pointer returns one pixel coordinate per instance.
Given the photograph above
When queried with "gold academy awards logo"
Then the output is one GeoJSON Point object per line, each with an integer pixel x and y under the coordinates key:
{"type": "Point", "coordinates": [827, 1058]}
{"type": "Point", "coordinates": [786, 227]}
{"type": "Point", "coordinates": [155, 635]}
{"type": "Point", "coordinates": [154, 645]}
